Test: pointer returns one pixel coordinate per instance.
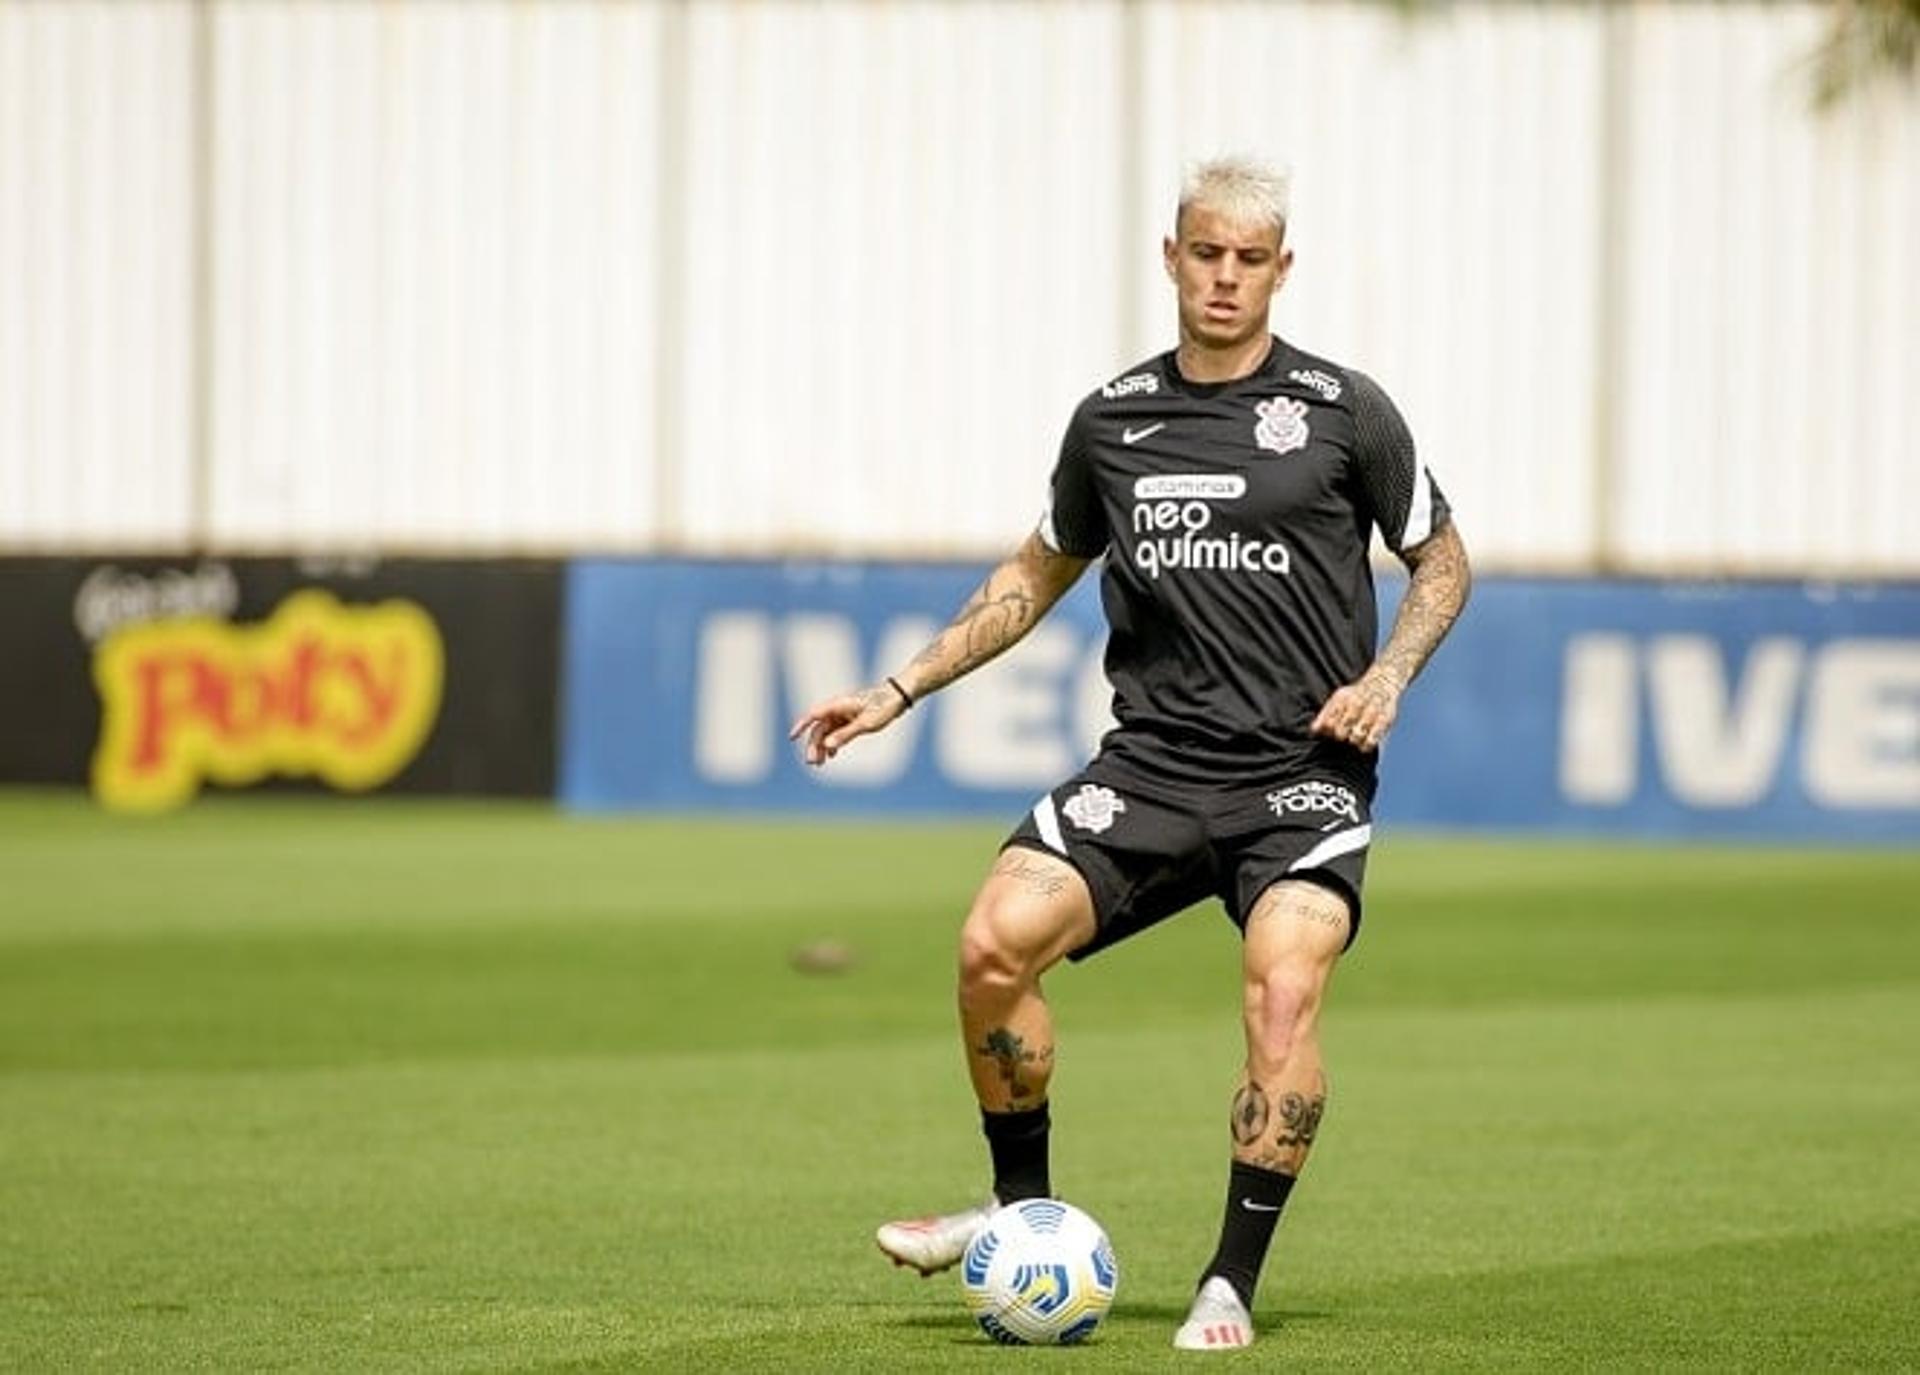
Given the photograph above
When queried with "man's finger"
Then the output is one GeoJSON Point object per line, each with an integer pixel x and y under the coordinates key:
{"type": "Point", "coordinates": [814, 716]}
{"type": "Point", "coordinates": [1333, 717]}
{"type": "Point", "coordinates": [839, 739]}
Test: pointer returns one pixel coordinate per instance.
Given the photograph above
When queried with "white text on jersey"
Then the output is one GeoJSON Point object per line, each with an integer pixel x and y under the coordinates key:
{"type": "Point", "coordinates": [1171, 515]}
{"type": "Point", "coordinates": [1133, 384]}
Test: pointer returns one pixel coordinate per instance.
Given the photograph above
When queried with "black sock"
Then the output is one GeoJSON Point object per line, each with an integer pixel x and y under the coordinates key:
{"type": "Point", "coordinates": [1018, 1141]}
{"type": "Point", "coordinates": [1254, 1199]}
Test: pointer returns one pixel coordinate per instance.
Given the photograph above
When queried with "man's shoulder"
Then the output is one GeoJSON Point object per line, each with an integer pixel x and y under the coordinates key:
{"type": "Point", "coordinates": [1334, 383]}
{"type": "Point", "coordinates": [1148, 377]}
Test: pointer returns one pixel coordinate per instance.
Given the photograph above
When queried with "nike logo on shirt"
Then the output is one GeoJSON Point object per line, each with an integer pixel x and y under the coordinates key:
{"type": "Point", "coordinates": [1133, 436]}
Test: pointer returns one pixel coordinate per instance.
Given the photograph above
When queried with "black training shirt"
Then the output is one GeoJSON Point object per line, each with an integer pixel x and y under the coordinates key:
{"type": "Point", "coordinates": [1235, 519]}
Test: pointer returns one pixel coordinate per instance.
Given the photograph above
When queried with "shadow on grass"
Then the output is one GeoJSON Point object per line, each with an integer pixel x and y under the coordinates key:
{"type": "Point", "coordinates": [1177, 1314]}
{"type": "Point", "coordinates": [962, 1328]}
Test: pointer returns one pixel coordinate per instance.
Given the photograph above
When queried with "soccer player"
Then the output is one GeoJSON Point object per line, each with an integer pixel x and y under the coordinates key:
{"type": "Point", "coordinates": [1232, 486]}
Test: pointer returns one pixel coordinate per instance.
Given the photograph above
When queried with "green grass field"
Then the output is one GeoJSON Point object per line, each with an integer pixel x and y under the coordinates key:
{"type": "Point", "coordinates": [379, 1085]}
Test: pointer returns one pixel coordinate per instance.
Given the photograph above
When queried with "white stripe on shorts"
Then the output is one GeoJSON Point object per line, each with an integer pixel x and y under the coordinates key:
{"type": "Point", "coordinates": [1049, 823]}
{"type": "Point", "coordinates": [1339, 843]}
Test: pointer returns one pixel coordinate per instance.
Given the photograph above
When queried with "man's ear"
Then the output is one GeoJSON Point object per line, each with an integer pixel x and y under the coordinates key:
{"type": "Point", "coordinates": [1286, 266]}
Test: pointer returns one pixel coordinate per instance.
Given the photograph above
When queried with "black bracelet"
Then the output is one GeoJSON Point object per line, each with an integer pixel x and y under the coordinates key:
{"type": "Point", "coordinates": [905, 696]}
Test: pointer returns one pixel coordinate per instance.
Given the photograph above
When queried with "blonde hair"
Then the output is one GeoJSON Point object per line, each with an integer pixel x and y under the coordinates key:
{"type": "Point", "coordinates": [1241, 188]}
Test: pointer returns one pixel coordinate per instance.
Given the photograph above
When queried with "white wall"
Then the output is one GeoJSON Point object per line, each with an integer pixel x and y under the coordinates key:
{"type": "Point", "coordinates": [1770, 398]}
{"type": "Point", "coordinates": [96, 274]}
{"type": "Point", "coordinates": [733, 277]}
{"type": "Point", "coordinates": [1446, 225]}
{"type": "Point", "coordinates": [434, 302]}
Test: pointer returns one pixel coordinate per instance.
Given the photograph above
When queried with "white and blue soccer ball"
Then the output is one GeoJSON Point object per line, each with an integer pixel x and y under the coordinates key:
{"type": "Point", "coordinates": [1040, 1273]}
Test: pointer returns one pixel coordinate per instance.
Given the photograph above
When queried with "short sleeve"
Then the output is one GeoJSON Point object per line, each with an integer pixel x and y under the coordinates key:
{"type": "Point", "coordinates": [1075, 522]}
{"type": "Point", "coordinates": [1401, 495]}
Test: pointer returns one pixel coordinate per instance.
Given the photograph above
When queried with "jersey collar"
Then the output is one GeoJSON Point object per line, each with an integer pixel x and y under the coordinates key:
{"type": "Point", "coordinates": [1268, 371]}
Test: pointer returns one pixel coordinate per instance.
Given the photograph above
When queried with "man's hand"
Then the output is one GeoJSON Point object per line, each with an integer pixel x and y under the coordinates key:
{"type": "Point", "coordinates": [1361, 713]}
{"type": "Point", "coordinates": [830, 726]}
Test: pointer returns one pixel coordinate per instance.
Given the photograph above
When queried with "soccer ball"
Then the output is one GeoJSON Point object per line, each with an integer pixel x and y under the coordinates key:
{"type": "Point", "coordinates": [1041, 1272]}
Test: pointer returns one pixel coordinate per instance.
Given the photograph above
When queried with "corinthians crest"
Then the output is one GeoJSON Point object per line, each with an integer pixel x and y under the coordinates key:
{"type": "Point", "coordinates": [1283, 425]}
{"type": "Point", "coordinates": [1093, 808]}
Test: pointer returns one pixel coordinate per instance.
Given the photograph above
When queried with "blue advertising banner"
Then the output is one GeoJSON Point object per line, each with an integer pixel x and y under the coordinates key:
{"type": "Point", "coordinates": [1645, 708]}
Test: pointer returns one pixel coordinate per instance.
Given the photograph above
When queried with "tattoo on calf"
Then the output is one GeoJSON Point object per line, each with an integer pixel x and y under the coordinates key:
{"type": "Point", "coordinates": [1250, 1114]}
{"type": "Point", "coordinates": [1299, 1120]}
{"type": "Point", "coordinates": [1009, 1051]}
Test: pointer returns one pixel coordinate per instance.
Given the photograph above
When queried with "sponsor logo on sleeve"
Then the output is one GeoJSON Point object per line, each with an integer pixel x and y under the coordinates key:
{"type": "Point", "coordinates": [1323, 382]}
{"type": "Point", "coordinates": [1133, 384]}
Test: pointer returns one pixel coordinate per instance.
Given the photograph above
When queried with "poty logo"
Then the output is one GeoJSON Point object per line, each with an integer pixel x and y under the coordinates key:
{"type": "Point", "coordinates": [1171, 514]}
{"type": "Point", "coordinates": [345, 693]}
{"type": "Point", "coordinates": [1326, 798]}
{"type": "Point", "coordinates": [1133, 384]}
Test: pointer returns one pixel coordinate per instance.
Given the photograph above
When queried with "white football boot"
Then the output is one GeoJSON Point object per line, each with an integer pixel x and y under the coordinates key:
{"type": "Point", "coordinates": [1218, 1321]}
{"type": "Point", "coordinates": [933, 1244]}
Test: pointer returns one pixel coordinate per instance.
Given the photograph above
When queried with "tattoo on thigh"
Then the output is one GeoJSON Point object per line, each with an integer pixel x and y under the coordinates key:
{"type": "Point", "coordinates": [1038, 879]}
{"type": "Point", "coordinates": [1250, 1114]}
{"type": "Point", "coordinates": [1299, 1119]}
{"type": "Point", "coordinates": [1332, 912]}
{"type": "Point", "coordinates": [1009, 1051]}
{"type": "Point", "coordinates": [1306, 900]}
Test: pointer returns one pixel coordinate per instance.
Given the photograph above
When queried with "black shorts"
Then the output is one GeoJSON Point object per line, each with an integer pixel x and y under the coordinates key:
{"type": "Point", "coordinates": [1149, 848]}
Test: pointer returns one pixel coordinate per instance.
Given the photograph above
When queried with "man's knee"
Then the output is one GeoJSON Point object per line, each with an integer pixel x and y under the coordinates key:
{"type": "Point", "coordinates": [1020, 926]}
{"type": "Point", "coordinates": [989, 960]}
{"type": "Point", "coordinates": [1293, 940]}
{"type": "Point", "coordinates": [1281, 1005]}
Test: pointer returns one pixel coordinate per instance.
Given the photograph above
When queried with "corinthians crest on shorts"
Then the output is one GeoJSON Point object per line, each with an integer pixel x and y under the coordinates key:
{"type": "Point", "coordinates": [1093, 807]}
{"type": "Point", "coordinates": [1283, 425]}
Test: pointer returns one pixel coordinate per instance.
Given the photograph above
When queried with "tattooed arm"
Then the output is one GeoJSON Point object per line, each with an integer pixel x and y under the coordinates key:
{"type": "Point", "coordinates": [1363, 712]}
{"type": "Point", "coordinates": [1001, 610]}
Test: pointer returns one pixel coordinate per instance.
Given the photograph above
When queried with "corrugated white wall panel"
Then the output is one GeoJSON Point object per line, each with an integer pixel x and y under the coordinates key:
{"type": "Point", "coordinates": [1446, 182]}
{"type": "Point", "coordinates": [96, 274]}
{"type": "Point", "coordinates": [435, 232]}
{"type": "Point", "coordinates": [900, 267]}
{"type": "Point", "coordinates": [1771, 417]}
{"type": "Point", "coordinates": [773, 277]}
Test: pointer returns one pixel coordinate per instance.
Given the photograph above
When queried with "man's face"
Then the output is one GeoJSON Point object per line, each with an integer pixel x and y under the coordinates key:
{"type": "Point", "coordinates": [1226, 272]}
